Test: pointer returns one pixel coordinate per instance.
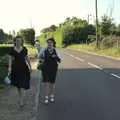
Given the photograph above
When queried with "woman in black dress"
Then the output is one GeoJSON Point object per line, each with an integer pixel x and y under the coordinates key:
{"type": "Point", "coordinates": [19, 67]}
{"type": "Point", "coordinates": [50, 59]}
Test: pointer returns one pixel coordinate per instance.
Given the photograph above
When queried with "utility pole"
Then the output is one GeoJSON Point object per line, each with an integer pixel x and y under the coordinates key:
{"type": "Point", "coordinates": [89, 15]}
{"type": "Point", "coordinates": [96, 11]}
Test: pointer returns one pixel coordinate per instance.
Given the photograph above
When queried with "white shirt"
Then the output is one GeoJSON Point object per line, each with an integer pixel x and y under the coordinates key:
{"type": "Point", "coordinates": [42, 50]}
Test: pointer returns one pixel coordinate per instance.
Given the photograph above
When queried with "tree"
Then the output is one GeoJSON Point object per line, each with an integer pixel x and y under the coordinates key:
{"type": "Point", "coordinates": [118, 30]}
{"type": "Point", "coordinates": [72, 30]}
{"type": "Point", "coordinates": [52, 28]}
{"type": "Point", "coordinates": [28, 35]}
{"type": "Point", "coordinates": [106, 25]}
{"type": "Point", "coordinates": [1, 34]}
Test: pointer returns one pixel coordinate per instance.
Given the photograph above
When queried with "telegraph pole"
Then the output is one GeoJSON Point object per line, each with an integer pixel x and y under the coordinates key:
{"type": "Point", "coordinates": [89, 15]}
{"type": "Point", "coordinates": [96, 12]}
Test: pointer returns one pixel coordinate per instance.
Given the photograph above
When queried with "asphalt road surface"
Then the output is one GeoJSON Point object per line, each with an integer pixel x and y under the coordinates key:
{"type": "Point", "coordinates": [87, 87]}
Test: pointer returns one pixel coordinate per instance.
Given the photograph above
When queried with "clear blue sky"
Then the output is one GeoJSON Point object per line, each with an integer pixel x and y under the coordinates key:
{"type": "Point", "coordinates": [16, 14]}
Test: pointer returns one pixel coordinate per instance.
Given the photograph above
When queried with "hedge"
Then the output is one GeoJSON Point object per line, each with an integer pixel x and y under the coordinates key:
{"type": "Point", "coordinates": [4, 50]}
{"type": "Point", "coordinates": [3, 68]}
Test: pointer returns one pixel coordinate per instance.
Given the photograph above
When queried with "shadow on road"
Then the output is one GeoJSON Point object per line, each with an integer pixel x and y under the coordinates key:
{"type": "Point", "coordinates": [84, 94]}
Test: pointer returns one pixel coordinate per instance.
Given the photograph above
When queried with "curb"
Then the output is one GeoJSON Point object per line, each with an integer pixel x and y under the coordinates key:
{"type": "Point", "coordinates": [92, 53]}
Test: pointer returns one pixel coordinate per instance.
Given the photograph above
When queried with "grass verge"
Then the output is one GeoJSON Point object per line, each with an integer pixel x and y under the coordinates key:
{"type": "Point", "coordinates": [113, 52]}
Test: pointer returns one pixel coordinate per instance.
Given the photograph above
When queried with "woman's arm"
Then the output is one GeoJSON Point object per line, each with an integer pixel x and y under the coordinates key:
{"type": "Point", "coordinates": [41, 55]}
{"type": "Point", "coordinates": [29, 64]}
{"type": "Point", "coordinates": [57, 57]}
{"type": "Point", "coordinates": [9, 63]}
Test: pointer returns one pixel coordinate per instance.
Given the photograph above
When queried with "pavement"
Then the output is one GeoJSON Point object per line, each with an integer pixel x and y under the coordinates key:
{"type": "Point", "coordinates": [87, 88]}
{"type": "Point", "coordinates": [9, 107]}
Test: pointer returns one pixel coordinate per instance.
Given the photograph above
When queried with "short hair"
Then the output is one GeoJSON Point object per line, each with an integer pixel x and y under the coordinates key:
{"type": "Point", "coordinates": [17, 37]}
{"type": "Point", "coordinates": [53, 40]}
{"type": "Point", "coordinates": [37, 40]}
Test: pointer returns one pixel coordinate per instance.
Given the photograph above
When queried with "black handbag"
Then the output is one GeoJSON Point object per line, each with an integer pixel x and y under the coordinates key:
{"type": "Point", "coordinates": [40, 65]}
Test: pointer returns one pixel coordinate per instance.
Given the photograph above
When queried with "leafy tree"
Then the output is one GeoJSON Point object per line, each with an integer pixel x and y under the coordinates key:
{"type": "Point", "coordinates": [106, 25]}
{"type": "Point", "coordinates": [52, 28]}
{"type": "Point", "coordinates": [118, 30]}
{"type": "Point", "coordinates": [1, 34]}
{"type": "Point", "coordinates": [28, 35]}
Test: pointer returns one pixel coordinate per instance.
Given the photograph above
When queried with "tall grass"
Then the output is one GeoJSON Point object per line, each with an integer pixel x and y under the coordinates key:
{"type": "Point", "coordinates": [115, 52]}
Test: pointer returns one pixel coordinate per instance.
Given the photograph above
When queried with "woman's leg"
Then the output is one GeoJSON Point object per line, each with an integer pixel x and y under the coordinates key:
{"type": "Point", "coordinates": [52, 92]}
{"type": "Point", "coordinates": [47, 88]}
{"type": "Point", "coordinates": [52, 89]}
{"type": "Point", "coordinates": [47, 91]}
{"type": "Point", "coordinates": [21, 92]}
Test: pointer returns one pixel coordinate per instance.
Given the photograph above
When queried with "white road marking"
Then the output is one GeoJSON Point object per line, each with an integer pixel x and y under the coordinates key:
{"type": "Point", "coordinates": [77, 58]}
{"type": "Point", "coordinates": [115, 75]}
{"type": "Point", "coordinates": [93, 65]}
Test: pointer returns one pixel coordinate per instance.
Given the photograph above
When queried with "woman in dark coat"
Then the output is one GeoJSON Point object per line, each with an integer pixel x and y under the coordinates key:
{"type": "Point", "coordinates": [19, 67]}
{"type": "Point", "coordinates": [50, 59]}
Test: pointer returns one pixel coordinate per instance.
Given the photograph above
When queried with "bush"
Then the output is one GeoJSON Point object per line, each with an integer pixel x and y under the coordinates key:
{"type": "Point", "coordinates": [4, 49]}
{"type": "Point", "coordinates": [78, 34]}
{"type": "Point", "coordinates": [3, 68]}
{"type": "Point", "coordinates": [109, 42]}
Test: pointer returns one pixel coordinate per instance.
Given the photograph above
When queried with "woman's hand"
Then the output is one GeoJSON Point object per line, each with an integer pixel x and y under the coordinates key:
{"type": "Point", "coordinates": [29, 64]}
{"type": "Point", "coordinates": [54, 56]}
{"type": "Point", "coordinates": [9, 69]}
{"type": "Point", "coordinates": [30, 70]}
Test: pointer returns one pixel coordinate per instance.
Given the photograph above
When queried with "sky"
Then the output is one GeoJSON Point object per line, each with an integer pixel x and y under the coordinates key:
{"type": "Point", "coordinates": [17, 14]}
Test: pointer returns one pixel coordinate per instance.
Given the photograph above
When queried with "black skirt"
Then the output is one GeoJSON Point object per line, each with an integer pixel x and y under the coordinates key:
{"type": "Point", "coordinates": [50, 66]}
{"type": "Point", "coordinates": [20, 76]}
{"type": "Point", "coordinates": [20, 73]}
{"type": "Point", "coordinates": [49, 73]}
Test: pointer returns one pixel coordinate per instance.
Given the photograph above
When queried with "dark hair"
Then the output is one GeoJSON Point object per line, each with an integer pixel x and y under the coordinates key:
{"type": "Point", "coordinates": [37, 40]}
{"type": "Point", "coordinates": [17, 37]}
{"type": "Point", "coordinates": [53, 40]}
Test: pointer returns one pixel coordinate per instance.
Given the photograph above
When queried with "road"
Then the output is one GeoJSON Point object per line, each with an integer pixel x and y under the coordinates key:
{"type": "Point", "coordinates": [88, 88]}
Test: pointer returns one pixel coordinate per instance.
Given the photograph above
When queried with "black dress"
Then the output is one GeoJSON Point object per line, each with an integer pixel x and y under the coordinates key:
{"type": "Point", "coordinates": [50, 66]}
{"type": "Point", "coordinates": [20, 73]}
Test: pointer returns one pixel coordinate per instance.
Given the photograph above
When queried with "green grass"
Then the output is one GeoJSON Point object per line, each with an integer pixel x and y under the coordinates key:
{"type": "Point", "coordinates": [114, 52]}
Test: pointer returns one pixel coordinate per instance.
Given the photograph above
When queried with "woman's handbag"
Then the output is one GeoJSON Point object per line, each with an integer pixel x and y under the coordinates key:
{"type": "Point", "coordinates": [40, 65]}
{"type": "Point", "coordinates": [7, 79]}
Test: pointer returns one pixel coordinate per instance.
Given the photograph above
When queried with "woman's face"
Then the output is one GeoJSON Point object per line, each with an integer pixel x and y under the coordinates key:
{"type": "Point", "coordinates": [50, 44]}
{"type": "Point", "coordinates": [18, 42]}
